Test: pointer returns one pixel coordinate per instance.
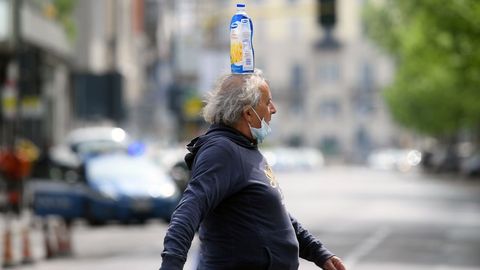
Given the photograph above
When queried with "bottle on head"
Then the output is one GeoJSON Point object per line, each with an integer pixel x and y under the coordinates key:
{"type": "Point", "coordinates": [241, 42]}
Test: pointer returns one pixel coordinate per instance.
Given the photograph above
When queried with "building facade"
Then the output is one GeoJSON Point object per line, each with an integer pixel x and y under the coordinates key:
{"type": "Point", "coordinates": [118, 39]}
{"type": "Point", "coordinates": [35, 59]}
{"type": "Point", "coordinates": [326, 76]}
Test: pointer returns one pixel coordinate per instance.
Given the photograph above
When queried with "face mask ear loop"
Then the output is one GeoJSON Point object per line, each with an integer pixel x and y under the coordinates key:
{"type": "Point", "coordinates": [256, 114]}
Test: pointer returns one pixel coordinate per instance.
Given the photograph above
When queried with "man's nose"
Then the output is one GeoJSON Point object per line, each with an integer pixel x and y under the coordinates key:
{"type": "Point", "coordinates": [273, 109]}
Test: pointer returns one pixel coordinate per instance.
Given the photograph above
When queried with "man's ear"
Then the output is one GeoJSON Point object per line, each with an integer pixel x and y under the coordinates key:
{"type": "Point", "coordinates": [247, 114]}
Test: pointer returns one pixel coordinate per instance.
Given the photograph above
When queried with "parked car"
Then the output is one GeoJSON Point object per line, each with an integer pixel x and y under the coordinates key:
{"type": "Point", "coordinates": [394, 159]}
{"type": "Point", "coordinates": [470, 165]}
{"type": "Point", "coordinates": [294, 158]}
{"type": "Point", "coordinates": [65, 160]}
{"type": "Point", "coordinates": [113, 187]}
{"type": "Point", "coordinates": [83, 143]}
{"type": "Point", "coordinates": [172, 159]}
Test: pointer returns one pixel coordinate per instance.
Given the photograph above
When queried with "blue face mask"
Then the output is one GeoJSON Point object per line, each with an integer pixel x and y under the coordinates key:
{"type": "Point", "coordinates": [262, 132]}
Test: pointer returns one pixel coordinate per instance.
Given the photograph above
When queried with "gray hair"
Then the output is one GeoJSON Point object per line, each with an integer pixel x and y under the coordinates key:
{"type": "Point", "coordinates": [231, 95]}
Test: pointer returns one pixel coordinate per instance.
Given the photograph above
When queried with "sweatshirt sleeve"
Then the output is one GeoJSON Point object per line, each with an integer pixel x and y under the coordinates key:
{"type": "Point", "coordinates": [213, 178]}
{"type": "Point", "coordinates": [311, 249]}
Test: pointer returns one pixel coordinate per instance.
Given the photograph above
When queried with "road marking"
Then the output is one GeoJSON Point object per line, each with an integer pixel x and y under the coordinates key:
{"type": "Point", "coordinates": [366, 246]}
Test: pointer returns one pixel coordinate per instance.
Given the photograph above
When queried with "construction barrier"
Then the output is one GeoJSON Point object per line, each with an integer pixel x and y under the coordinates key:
{"type": "Point", "coordinates": [27, 238]}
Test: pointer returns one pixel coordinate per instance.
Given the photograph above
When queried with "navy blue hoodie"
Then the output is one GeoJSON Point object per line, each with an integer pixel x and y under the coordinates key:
{"type": "Point", "coordinates": [234, 200]}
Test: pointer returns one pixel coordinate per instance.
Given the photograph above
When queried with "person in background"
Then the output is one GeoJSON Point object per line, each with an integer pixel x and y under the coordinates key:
{"type": "Point", "coordinates": [233, 197]}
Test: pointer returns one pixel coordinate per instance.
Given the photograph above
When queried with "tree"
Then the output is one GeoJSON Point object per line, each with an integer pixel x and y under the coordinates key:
{"type": "Point", "coordinates": [65, 10]}
{"type": "Point", "coordinates": [436, 90]}
{"type": "Point", "coordinates": [62, 11]}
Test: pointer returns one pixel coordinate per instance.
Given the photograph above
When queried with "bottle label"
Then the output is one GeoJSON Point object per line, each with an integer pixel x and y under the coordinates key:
{"type": "Point", "coordinates": [236, 52]}
{"type": "Point", "coordinates": [241, 50]}
{"type": "Point", "coordinates": [246, 45]}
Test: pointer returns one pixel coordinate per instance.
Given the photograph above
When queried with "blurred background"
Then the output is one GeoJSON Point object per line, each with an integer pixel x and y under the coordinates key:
{"type": "Point", "coordinates": [376, 141]}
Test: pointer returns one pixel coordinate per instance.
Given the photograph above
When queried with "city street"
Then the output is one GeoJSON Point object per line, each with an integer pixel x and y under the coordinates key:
{"type": "Point", "coordinates": [372, 219]}
{"type": "Point", "coordinates": [99, 98]}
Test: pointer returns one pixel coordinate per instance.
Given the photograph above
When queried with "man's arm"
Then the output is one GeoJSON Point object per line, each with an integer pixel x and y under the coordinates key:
{"type": "Point", "coordinates": [313, 250]}
{"type": "Point", "coordinates": [212, 180]}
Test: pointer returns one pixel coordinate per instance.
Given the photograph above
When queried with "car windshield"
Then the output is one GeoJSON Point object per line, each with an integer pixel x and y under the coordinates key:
{"type": "Point", "coordinates": [92, 148]}
{"type": "Point", "coordinates": [123, 167]}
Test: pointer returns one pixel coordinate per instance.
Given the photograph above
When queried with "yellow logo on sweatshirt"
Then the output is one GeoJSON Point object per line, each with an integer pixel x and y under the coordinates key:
{"type": "Point", "coordinates": [273, 181]}
{"type": "Point", "coordinates": [271, 177]}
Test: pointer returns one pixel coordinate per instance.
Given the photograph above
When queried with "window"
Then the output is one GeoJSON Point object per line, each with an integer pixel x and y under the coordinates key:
{"type": "Point", "coordinates": [329, 108]}
{"type": "Point", "coordinates": [366, 76]}
{"type": "Point", "coordinates": [297, 89]}
{"type": "Point", "coordinates": [329, 72]}
{"type": "Point", "coordinates": [364, 94]}
{"type": "Point", "coordinates": [329, 145]}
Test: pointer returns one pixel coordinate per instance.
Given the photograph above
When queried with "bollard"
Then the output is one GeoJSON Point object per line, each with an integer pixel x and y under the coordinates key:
{"type": "Point", "coordinates": [12, 253]}
{"type": "Point", "coordinates": [27, 256]}
{"type": "Point", "coordinates": [8, 249]}
{"type": "Point", "coordinates": [58, 238]}
{"type": "Point", "coordinates": [64, 238]}
{"type": "Point", "coordinates": [2, 237]}
{"type": "Point", "coordinates": [25, 225]}
{"type": "Point", "coordinates": [50, 237]}
{"type": "Point", "coordinates": [37, 238]}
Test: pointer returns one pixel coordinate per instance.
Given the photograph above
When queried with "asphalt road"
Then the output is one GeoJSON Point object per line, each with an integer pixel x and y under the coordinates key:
{"type": "Point", "coordinates": [373, 220]}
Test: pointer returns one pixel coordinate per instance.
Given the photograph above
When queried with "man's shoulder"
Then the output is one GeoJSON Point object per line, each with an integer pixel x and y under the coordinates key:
{"type": "Point", "coordinates": [221, 143]}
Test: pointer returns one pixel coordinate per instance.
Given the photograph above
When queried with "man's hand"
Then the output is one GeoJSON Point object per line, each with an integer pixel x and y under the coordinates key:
{"type": "Point", "coordinates": [334, 263]}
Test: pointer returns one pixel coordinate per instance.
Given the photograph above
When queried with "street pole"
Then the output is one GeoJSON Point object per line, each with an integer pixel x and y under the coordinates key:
{"type": "Point", "coordinates": [17, 121]}
{"type": "Point", "coordinates": [16, 45]}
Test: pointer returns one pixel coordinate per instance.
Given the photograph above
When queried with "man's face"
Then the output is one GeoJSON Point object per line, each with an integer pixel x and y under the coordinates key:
{"type": "Point", "coordinates": [265, 107]}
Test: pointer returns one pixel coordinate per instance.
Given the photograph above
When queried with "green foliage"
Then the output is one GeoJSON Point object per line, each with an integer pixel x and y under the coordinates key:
{"type": "Point", "coordinates": [435, 45]}
{"type": "Point", "coordinates": [65, 10]}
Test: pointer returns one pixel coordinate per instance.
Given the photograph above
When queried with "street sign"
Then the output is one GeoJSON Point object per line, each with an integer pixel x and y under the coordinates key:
{"type": "Point", "coordinates": [9, 102]}
{"type": "Point", "coordinates": [32, 107]}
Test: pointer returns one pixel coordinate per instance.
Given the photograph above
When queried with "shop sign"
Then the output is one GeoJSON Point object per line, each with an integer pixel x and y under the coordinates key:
{"type": "Point", "coordinates": [9, 101]}
{"type": "Point", "coordinates": [32, 107]}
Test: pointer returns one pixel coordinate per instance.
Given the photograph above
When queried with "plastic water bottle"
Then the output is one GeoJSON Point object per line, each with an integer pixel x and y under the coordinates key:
{"type": "Point", "coordinates": [241, 46]}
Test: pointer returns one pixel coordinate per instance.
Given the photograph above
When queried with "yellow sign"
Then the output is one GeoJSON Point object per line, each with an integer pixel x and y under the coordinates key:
{"type": "Point", "coordinates": [192, 107]}
{"type": "Point", "coordinates": [9, 102]}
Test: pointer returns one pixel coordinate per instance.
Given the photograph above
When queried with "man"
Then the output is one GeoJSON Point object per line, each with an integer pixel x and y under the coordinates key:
{"type": "Point", "coordinates": [233, 196]}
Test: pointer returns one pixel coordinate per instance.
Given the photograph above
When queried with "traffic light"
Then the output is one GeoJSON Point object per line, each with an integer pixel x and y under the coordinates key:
{"type": "Point", "coordinates": [326, 13]}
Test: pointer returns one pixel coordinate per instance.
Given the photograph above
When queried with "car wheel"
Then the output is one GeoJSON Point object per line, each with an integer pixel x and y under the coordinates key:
{"type": "Point", "coordinates": [91, 219]}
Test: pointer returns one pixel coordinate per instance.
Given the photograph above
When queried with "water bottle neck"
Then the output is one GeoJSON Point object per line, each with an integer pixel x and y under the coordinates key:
{"type": "Point", "coordinates": [241, 8]}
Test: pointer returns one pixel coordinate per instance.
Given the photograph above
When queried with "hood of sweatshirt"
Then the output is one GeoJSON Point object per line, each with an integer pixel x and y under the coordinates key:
{"type": "Point", "coordinates": [215, 131]}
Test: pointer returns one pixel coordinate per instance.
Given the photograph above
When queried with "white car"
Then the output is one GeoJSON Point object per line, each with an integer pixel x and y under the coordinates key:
{"type": "Point", "coordinates": [294, 158]}
{"type": "Point", "coordinates": [402, 160]}
{"type": "Point", "coordinates": [89, 141]}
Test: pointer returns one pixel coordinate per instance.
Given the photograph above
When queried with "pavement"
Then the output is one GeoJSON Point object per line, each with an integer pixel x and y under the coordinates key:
{"type": "Point", "coordinates": [371, 219]}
